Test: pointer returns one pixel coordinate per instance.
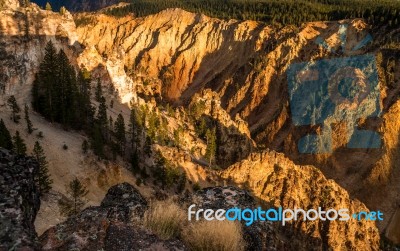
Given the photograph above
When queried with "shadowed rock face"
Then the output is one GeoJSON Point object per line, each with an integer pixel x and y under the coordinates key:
{"type": "Point", "coordinates": [19, 202]}
{"type": "Point", "coordinates": [110, 226]}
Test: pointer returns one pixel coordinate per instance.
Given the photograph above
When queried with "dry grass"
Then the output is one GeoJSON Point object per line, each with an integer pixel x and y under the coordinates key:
{"type": "Point", "coordinates": [165, 218]}
{"type": "Point", "coordinates": [214, 236]}
{"type": "Point", "coordinates": [168, 220]}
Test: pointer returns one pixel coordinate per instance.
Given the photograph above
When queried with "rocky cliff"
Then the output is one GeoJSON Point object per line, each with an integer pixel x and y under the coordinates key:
{"type": "Point", "coordinates": [245, 64]}
{"type": "Point", "coordinates": [278, 182]}
{"type": "Point", "coordinates": [24, 33]}
{"type": "Point", "coordinates": [19, 202]}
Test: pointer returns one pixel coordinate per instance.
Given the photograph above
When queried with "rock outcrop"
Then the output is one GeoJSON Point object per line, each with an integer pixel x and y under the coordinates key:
{"type": "Point", "coordinates": [258, 236]}
{"type": "Point", "coordinates": [19, 202]}
{"type": "Point", "coordinates": [9, 4]}
{"type": "Point", "coordinates": [112, 226]}
{"type": "Point", "coordinates": [278, 182]}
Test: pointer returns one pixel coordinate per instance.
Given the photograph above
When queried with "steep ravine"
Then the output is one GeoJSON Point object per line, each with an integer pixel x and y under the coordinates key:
{"type": "Point", "coordinates": [246, 64]}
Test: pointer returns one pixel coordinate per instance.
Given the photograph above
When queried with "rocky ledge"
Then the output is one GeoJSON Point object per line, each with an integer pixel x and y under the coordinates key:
{"type": "Point", "coordinates": [114, 225]}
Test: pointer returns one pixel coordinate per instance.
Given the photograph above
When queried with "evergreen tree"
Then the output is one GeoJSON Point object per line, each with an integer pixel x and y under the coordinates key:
{"type": "Point", "coordinates": [134, 128]}
{"type": "Point", "coordinates": [63, 10]}
{"type": "Point", "coordinates": [85, 109]}
{"type": "Point", "coordinates": [153, 126]}
{"type": "Point", "coordinates": [61, 94]}
{"type": "Point", "coordinates": [159, 170]}
{"type": "Point", "coordinates": [147, 146]}
{"type": "Point", "coordinates": [43, 91]}
{"type": "Point", "coordinates": [28, 121]}
{"type": "Point", "coordinates": [111, 124]}
{"type": "Point", "coordinates": [178, 136]}
{"type": "Point", "coordinates": [19, 144]}
{"type": "Point", "coordinates": [5, 137]}
{"type": "Point", "coordinates": [99, 91]}
{"type": "Point", "coordinates": [97, 141]}
{"type": "Point", "coordinates": [42, 179]}
{"type": "Point", "coordinates": [102, 113]}
{"type": "Point", "coordinates": [85, 146]}
{"type": "Point", "coordinates": [12, 103]}
{"type": "Point", "coordinates": [182, 182]}
{"type": "Point", "coordinates": [211, 145]}
{"type": "Point", "coordinates": [74, 202]}
{"type": "Point", "coordinates": [48, 7]}
{"type": "Point", "coordinates": [120, 132]}
{"type": "Point", "coordinates": [135, 162]}
{"type": "Point", "coordinates": [66, 91]}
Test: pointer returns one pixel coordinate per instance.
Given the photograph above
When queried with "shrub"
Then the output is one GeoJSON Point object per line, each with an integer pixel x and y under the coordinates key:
{"type": "Point", "coordinates": [196, 187]}
{"type": "Point", "coordinates": [214, 235]}
{"type": "Point", "coordinates": [65, 147]}
{"type": "Point", "coordinates": [165, 218]}
{"type": "Point", "coordinates": [85, 146]}
{"type": "Point", "coordinates": [40, 134]}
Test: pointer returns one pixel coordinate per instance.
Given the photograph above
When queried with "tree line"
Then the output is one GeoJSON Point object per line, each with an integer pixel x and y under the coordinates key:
{"type": "Point", "coordinates": [284, 12]}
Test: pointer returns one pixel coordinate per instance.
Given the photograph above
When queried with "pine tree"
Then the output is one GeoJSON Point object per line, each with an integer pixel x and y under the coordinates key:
{"type": "Point", "coordinates": [153, 126]}
{"type": "Point", "coordinates": [12, 103]}
{"type": "Point", "coordinates": [102, 113]}
{"type": "Point", "coordinates": [159, 170]}
{"type": "Point", "coordinates": [63, 10]}
{"type": "Point", "coordinates": [135, 162]}
{"type": "Point", "coordinates": [111, 124]}
{"type": "Point", "coordinates": [99, 91]}
{"type": "Point", "coordinates": [5, 137]}
{"type": "Point", "coordinates": [48, 6]}
{"type": "Point", "coordinates": [211, 145]}
{"type": "Point", "coordinates": [43, 91]}
{"type": "Point", "coordinates": [19, 144]}
{"type": "Point", "coordinates": [85, 146]}
{"type": "Point", "coordinates": [178, 136]}
{"type": "Point", "coordinates": [74, 202]}
{"type": "Point", "coordinates": [28, 121]}
{"type": "Point", "coordinates": [120, 132]}
{"type": "Point", "coordinates": [85, 108]}
{"type": "Point", "coordinates": [134, 128]}
{"type": "Point", "coordinates": [42, 179]}
{"type": "Point", "coordinates": [66, 91]}
{"type": "Point", "coordinates": [147, 146]}
{"type": "Point", "coordinates": [97, 141]}
{"type": "Point", "coordinates": [182, 182]}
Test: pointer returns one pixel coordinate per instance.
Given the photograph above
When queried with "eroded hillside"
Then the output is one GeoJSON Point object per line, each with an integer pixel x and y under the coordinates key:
{"type": "Point", "coordinates": [245, 63]}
